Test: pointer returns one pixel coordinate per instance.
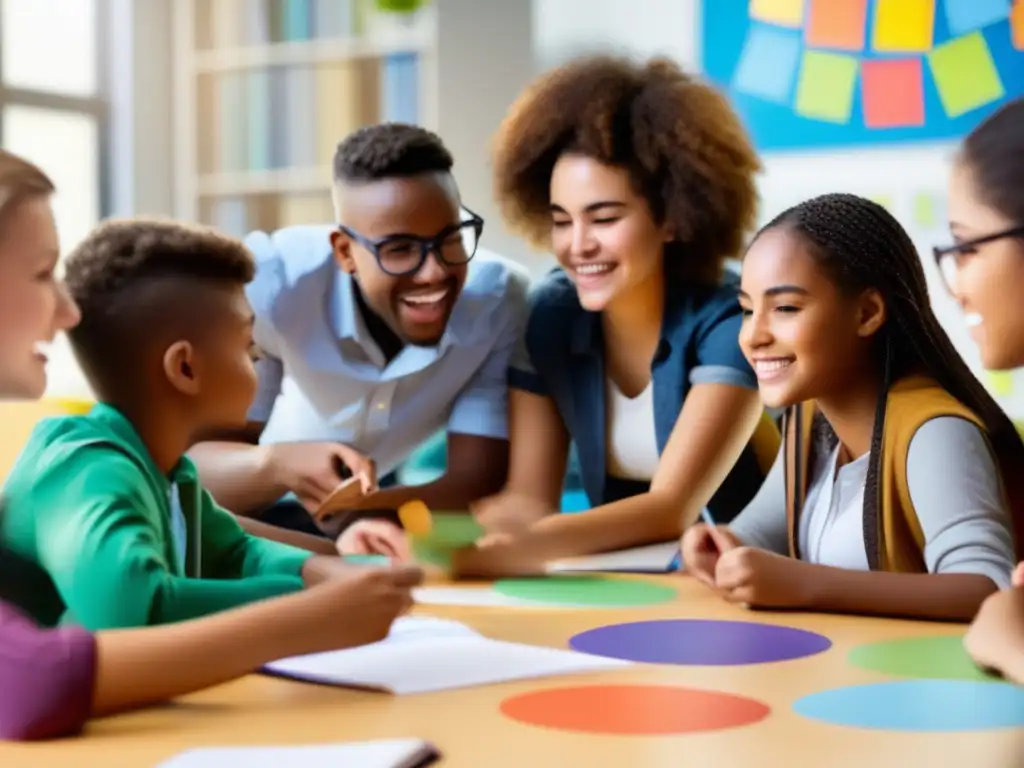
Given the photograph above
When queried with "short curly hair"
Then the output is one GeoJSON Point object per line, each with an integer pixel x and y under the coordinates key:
{"type": "Point", "coordinates": [684, 148]}
{"type": "Point", "coordinates": [390, 150]}
{"type": "Point", "coordinates": [141, 280]}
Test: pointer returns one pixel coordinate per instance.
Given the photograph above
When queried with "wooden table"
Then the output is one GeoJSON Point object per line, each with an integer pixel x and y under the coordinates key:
{"type": "Point", "coordinates": [467, 726]}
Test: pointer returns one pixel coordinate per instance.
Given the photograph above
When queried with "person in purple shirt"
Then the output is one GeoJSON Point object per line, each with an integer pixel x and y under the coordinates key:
{"type": "Point", "coordinates": [53, 680]}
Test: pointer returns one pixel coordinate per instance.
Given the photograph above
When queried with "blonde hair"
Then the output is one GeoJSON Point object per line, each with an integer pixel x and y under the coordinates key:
{"type": "Point", "coordinates": [20, 180]}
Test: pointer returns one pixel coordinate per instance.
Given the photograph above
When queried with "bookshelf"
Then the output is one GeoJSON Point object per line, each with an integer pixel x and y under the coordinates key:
{"type": "Point", "coordinates": [265, 89]}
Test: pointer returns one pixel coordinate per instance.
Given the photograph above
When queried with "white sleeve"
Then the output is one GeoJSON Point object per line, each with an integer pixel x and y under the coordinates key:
{"type": "Point", "coordinates": [762, 523]}
{"type": "Point", "coordinates": [958, 497]}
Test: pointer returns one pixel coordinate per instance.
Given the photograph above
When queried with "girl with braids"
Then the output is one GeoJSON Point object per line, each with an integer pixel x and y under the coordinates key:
{"type": "Point", "coordinates": [53, 680]}
{"type": "Point", "coordinates": [984, 270]}
{"type": "Point", "coordinates": [640, 179]}
{"type": "Point", "coordinates": [898, 488]}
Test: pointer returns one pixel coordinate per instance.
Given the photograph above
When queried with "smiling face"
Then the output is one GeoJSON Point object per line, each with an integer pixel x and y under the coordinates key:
{"type": "Point", "coordinates": [34, 306]}
{"type": "Point", "coordinates": [988, 277]}
{"type": "Point", "coordinates": [804, 337]}
{"type": "Point", "coordinates": [416, 307]}
{"type": "Point", "coordinates": [602, 231]}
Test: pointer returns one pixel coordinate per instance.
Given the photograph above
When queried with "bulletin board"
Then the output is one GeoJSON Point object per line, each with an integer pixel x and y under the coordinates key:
{"type": "Point", "coordinates": [812, 74]}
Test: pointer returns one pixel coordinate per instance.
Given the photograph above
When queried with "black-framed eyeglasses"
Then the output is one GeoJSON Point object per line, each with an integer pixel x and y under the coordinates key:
{"type": "Point", "coordinates": [402, 254]}
{"type": "Point", "coordinates": [949, 258]}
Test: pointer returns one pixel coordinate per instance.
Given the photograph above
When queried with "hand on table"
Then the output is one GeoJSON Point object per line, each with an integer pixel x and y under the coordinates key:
{"type": "Point", "coordinates": [995, 639]}
{"type": "Point", "coordinates": [312, 471]}
{"type": "Point", "coordinates": [758, 578]}
{"type": "Point", "coordinates": [375, 537]}
{"type": "Point", "coordinates": [508, 513]}
{"type": "Point", "coordinates": [702, 545]}
{"type": "Point", "coordinates": [359, 609]}
{"type": "Point", "coordinates": [502, 558]}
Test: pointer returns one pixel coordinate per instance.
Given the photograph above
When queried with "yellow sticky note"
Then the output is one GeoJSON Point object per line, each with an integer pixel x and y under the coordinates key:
{"type": "Point", "coordinates": [416, 518]}
{"type": "Point", "coordinates": [826, 86]}
{"type": "Point", "coordinates": [903, 26]}
{"type": "Point", "coordinates": [999, 383]}
{"type": "Point", "coordinates": [924, 210]}
{"type": "Point", "coordinates": [784, 13]}
{"type": "Point", "coordinates": [965, 74]}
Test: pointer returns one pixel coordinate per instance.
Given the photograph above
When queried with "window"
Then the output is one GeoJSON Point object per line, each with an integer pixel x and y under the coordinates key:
{"type": "Point", "coordinates": [53, 111]}
{"type": "Point", "coordinates": [52, 101]}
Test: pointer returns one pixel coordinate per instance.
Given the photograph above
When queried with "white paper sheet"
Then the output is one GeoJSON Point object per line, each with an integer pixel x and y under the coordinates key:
{"type": "Point", "coordinates": [395, 753]}
{"type": "Point", "coordinates": [483, 597]}
{"type": "Point", "coordinates": [422, 655]}
{"type": "Point", "coordinates": [652, 558]}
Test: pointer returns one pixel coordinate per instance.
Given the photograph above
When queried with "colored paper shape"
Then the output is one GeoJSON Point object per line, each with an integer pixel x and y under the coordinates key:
{"type": "Point", "coordinates": [963, 16]}
{"type": "Point", "coordinates": [965, 74]}
{"type": "Point", "coordinates": [785, 13]}
{"type": "Point", "coordinates": [449, 532]}
{"type": "Point", "coordinates": [903, 26]}
{"type": "Point", "coordinates": [597, 591]}
{"type": "Point", "coordinates": [999, 383]}
{"type": "Point", "coordinates": [942, 658]}
{"type": "Point", "coordinates": [1017, 25]}
{"type": "Point", "coordinates": [918, 705]}
{"type": "Point", "coordinates": [700, 642]}
{"type": "Point", "coordinates": [768, 64]}
{"type": "Point", "coordinates": [892, 92]}
{"type": "Point", "coordinates": [837, 24]}
{"type": "Point", "coordinates": [924, 210]}
{"type": "Point", "coordinates": [826, 86]}
{"type": "Point", "coordinates": [633, 710]}
{"type": "Point", "coordinates": [368, 559]}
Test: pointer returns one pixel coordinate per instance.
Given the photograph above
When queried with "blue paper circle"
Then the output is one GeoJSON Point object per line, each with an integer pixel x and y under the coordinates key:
{"type": "Point", "coordinates": [918, 705]}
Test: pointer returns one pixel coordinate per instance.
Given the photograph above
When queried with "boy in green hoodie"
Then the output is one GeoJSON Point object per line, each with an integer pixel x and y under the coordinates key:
{"type": "Point", "coordinates": [107, 503]}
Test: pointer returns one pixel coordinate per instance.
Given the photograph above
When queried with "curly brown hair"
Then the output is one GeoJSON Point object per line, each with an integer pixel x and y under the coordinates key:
{"type": "Point", "coordinates": [680, 141]}
{"type": "Point", "coordinates": [141, 281]}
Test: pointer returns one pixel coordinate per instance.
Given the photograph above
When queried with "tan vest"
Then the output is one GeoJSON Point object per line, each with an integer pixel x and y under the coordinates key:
{"type": "Point", "coordinates": [893, 538]}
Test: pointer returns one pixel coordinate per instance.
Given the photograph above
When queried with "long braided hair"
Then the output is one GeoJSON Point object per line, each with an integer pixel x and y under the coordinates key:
{"type": "Point", "coordinates": [861, 245]}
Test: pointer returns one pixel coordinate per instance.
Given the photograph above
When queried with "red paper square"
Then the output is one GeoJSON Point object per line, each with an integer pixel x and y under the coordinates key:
{"type": "Point", "coordinates": [893, 93]}
{"type": "Point", "coordinates": [837, 24]}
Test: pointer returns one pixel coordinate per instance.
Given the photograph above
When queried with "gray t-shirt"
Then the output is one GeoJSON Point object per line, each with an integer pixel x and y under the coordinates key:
{"type": "Point", "coordinates": [955, 488]}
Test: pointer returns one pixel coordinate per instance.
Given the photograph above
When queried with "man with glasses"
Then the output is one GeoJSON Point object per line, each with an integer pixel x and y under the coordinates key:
{"type": "Point", "coordinates": [374, 335]}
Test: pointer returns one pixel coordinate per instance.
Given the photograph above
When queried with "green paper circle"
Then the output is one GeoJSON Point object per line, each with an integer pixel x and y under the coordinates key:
{"type": "Point", "coordinates": [367, 559]}
{"type": "Point", "coordinates": [937, 658]}
{"type": "Point", "coordinates": [586, 590]}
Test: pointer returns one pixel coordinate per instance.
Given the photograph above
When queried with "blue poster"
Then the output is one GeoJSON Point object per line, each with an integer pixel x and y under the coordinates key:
{"type": "Point", "coordinates": [807, 74]}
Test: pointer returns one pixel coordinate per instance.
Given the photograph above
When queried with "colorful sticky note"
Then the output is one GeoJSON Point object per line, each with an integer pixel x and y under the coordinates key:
{"type": "Point", "coordinates": [837, 24]}
{"type": "Point", "coordinates": [826, 86]}
{"type": "Point", "coordinates": [785, 13]}
{"type": "Point", "coordinates": [999, 383]}
{"type": "Point", "coordinates": [1017, 25]}
{"type": "Point", "coordinates": [963, 16]}
{"type": "Point", "coordinates": [768, 63]}
{"type": "Point", "coordinates": [892, 92]}
{"type": "Point", "coordinates": [924, 210]}
{"type": "Point", "coordinates": [965, 74]}
{"type": "Point", "coordinates": [903, 26]}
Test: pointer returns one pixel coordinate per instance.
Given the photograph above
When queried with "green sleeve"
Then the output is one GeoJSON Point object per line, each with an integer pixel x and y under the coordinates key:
{"type": "Point", "coordinates": [99, 537]}
{"type": "Point", "coordinates": [228, 552]}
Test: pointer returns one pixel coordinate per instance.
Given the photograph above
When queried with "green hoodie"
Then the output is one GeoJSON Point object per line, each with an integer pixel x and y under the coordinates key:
{"type": "Point", "coordinates": [86, 503]}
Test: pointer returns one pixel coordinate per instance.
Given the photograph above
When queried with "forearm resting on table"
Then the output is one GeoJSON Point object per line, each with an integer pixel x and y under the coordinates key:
{"type": "Point", "coordinates": [935, 596]}
{"type": "Point", "coordinates": [237, 475]}
{"type": "Point", "coordinates": [136, 667]}
{"type": "Point", "coordinates": [645, 519]}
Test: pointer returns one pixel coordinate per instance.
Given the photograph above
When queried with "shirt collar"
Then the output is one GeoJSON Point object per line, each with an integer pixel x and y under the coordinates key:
{"type": "Point", "coordinates": [129, 439]}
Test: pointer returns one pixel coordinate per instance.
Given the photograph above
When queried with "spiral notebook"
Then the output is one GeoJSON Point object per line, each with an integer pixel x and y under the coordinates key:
{"type": "Point", "coordinates": [393, 753]}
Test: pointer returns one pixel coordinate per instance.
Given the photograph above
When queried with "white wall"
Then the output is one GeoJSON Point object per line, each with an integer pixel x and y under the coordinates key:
{"type": "Point", "coordinates": [902, 175]}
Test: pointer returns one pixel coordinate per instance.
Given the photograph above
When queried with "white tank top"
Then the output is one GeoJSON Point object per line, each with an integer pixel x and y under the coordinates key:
{"type": "Point", "coordinates": [631, 445]}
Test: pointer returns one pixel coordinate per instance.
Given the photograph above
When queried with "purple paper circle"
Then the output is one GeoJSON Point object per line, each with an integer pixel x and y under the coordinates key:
{"type": "Point", "coordinates": [700, 642]}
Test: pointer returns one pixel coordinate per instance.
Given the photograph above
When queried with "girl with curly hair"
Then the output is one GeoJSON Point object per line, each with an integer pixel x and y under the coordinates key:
{"type": "Point", "coordinates": [640, 179]}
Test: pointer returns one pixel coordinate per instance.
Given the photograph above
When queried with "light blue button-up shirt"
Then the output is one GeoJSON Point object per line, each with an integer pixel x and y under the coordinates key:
{"type": "Point", "coordinates": [323, 377]}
